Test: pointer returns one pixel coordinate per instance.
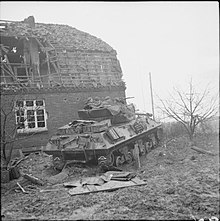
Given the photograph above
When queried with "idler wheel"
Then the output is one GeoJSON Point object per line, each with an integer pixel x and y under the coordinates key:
{"type": "Point", "coordinates": [58, 163]}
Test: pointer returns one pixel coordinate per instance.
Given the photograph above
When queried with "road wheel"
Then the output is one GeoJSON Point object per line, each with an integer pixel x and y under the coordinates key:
{"type": "Point", "coordinates": [118, 161]}
{"type": "Point", "coordinates": [111, 159]}
{"type": "Point", "coordinates": [129, 158]}
{"type": "Point", "coordinates": [149, 145]}
{"type": "Point", "coordinates": [143, 151]}
{"type": "Point", "coordinates": [146, 147]}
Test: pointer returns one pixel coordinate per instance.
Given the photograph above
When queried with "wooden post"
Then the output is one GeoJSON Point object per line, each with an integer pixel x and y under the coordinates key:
{"type": "Point", "coordinates": [21, 153]}
{"type": "Point", "coordinates": [152, 101]}
{"type": "Point", "coordinates": [136, 155]}
{"type": "Point", "coordinates": [48, 65]}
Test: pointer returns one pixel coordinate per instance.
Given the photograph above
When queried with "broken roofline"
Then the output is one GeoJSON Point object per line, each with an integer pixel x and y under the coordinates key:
{"type": "Point", "coordinates": [28, 25]}
{"type": "Point", "coordinates": [45, 47]}
{"type": "Point", "coordinates": [51, 60]}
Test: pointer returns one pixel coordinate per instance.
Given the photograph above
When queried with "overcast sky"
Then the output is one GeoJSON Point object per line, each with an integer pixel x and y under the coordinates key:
{"type": "Point", "coordinates": [175, 41]}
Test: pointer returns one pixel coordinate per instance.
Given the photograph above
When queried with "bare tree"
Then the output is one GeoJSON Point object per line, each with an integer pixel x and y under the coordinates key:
{"type": "Point", "coordinates": [190, 108]}
{"type": "Point", "coordinates": [12, 119]}
{"type": "Point", "coordinates": [8, 133]}
{"type": "Point", "coordinates": [9, 125]}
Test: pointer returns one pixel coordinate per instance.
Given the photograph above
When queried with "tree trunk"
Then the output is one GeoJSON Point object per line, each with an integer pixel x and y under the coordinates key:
{"type": "Point", "coordinates": [191, 136]}
{"type": "Point", "coordinates": [191, 133]}
{"type": "Point", "coordinates": [10, 153]}
{"type": "Point", "coordinates": [4, 150]}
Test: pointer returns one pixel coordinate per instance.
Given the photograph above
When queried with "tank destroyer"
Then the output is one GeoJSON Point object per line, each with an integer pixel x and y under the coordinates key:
{"type": "Point", "coordinates": [106, 132]}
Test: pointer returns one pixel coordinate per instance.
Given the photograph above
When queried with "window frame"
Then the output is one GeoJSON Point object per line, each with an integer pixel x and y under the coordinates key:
{"type": "Point", "coordinates": [34, 108]}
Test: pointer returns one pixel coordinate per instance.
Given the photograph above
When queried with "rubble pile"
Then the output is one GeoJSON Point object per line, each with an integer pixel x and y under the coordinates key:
{"type": "Point", "coordinates": [39, 165]}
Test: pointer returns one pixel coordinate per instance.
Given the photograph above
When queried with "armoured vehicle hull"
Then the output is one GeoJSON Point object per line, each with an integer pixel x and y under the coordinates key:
{"type": "Point", "coordinates": [106, 134]}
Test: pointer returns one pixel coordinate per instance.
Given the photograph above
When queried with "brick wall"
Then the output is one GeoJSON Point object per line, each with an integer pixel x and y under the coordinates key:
{"type": "Point", "coordinates": [61, 108]}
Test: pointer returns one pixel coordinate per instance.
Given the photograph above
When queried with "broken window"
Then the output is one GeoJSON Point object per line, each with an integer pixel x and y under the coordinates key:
{"type": "Point", "coordinates": [30, 116]}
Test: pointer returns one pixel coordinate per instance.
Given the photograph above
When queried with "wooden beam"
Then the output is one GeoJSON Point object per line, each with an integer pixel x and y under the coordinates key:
{"type": "Point", "coordinates": [9, 72]}
{"type": "Point", "coordinates": [48, 66]}
{"type": "Point", "coordinates": [3, 74]}
{"type": "Point", "coordinates": [203, 151]}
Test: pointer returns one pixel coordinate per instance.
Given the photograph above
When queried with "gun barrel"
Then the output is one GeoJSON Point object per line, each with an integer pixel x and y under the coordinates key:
{"type": "Point", "coordinates": [128, 98]}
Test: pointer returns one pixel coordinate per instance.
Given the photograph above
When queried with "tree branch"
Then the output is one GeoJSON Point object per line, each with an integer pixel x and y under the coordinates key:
{"type": "Point", "coordinates": [192, 114]}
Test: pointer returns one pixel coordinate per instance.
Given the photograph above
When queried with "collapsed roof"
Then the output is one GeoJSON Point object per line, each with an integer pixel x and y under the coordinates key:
{"type": "Point", "coordinates": [48, 55]}
{"type": "Point", "coordinates": [63, 36]}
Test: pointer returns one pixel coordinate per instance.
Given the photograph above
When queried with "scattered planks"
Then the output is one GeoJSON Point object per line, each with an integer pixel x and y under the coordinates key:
{"type": "Point", "coordinates": [33, 179]}
{"type": "Point", "coordinates": [203, 151]}
{"type": "Point", "coordinates": [23, 190]}
{"type": "Point", "coordinates": [15, 163]}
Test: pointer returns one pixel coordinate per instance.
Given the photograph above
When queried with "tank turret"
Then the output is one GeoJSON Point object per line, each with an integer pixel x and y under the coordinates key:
{"type": "Point", "coordinates": [117, 110]}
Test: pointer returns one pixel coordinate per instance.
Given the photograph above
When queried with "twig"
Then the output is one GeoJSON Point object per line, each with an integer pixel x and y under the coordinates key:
{"type": "Point", "coordinates": [23, 190]}
{"type": "Point", "coordinates": [16, 163]}
{"type": "Point", "coordinates": [52, 190]}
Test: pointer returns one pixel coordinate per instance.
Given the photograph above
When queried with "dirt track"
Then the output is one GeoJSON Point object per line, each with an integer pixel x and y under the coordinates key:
{"type": "Point", "coordinates": [181, 184]}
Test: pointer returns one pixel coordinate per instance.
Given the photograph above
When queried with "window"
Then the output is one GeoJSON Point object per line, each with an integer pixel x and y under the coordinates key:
{"type": "Point", "coordinates": [30, 116]}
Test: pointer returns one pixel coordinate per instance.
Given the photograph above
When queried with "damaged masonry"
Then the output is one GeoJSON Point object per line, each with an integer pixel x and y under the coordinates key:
{"type": "Point", "coordinates": [48, 66]}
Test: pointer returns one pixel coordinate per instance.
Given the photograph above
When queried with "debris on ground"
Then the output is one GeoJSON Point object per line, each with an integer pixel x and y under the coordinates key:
{"type": "Point", "coordinates": [60, 177]}
{"type": "Point", "coordinates": [203, 151]}
{"type": "Point", "coordinates": [109, 181]}
{"type": "Point", "coordinates": [182, 184]}
{"type": "Point", "coordinates": [39, 165]}
{"type": "Point", "coordinates": [23, 190]}
{"type": "Point", "coordinates": [33, 179]}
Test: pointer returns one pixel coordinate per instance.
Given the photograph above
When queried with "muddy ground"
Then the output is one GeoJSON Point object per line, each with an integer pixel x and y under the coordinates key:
{"type": "Point", "coordinates": [182, 184]}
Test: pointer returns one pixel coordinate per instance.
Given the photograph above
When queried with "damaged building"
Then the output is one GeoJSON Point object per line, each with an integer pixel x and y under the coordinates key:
{"type": "Point", "coordinates": [52, 69]}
